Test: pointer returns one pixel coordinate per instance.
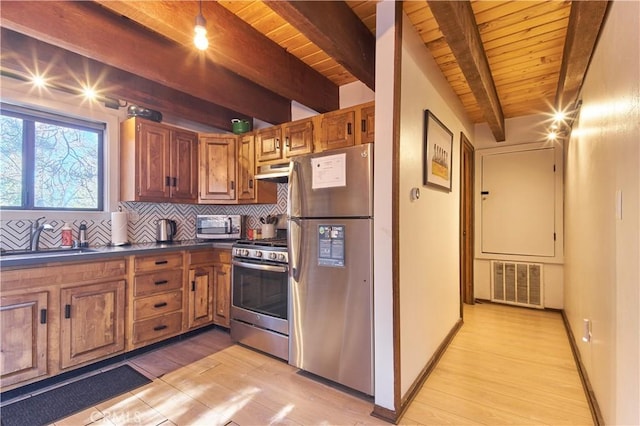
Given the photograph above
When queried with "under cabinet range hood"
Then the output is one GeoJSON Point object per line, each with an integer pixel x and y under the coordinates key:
{"type": "Point", "coordinates": [274, 172]}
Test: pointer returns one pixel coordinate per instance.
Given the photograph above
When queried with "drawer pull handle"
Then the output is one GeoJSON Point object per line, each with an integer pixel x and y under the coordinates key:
{"type": "Point", "coordinates": [43, 316]}
{"type": "Point", "coordinates": [67, 311]}
{"type": "Point", "coordinates": [159, 327]}
{"type": "Point", "coordinates": [161, 262]}
{"type": "Point", "coordinates": [349, 128]}
{"type": "Point", "coordinates": [161, 282]}
{"type": "Point", "coordinates": [363, 126]}
{"type": "Point", "coordinates": [160, 305]}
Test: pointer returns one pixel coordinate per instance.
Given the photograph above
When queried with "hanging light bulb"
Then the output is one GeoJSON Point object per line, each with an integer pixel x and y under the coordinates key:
{"type": "Point", "coordinates": [200, 30]}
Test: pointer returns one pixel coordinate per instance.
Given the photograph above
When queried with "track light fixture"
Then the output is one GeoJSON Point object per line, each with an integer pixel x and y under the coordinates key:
{"type": "Point", "coordinates": [200, 30]}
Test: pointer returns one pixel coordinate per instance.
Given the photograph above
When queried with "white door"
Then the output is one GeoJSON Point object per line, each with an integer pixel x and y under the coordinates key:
{"type": "Point", "coordinates": [518, 203]}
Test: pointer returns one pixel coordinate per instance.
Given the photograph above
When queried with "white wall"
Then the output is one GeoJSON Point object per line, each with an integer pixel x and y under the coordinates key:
{"type": "Point", "coordinates": [429, 227]}
{"type": "Point", "coordinates": [354, 94]}
{"type": "Point", "coordinates": [602, 246]}
{"type": "Point", "coordinates": [382, 210]}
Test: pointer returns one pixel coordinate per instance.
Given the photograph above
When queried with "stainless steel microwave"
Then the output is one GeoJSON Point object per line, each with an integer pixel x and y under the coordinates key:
{"type": "Point", "coordinates": [220, 227]}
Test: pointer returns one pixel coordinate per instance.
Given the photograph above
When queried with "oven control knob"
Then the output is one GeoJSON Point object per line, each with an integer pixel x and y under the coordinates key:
{"type": "Point", "coordinates": [257, 253]}
{"type": "Point", "coordinates": [245, 252]}
{"type": "Point", "coordinates": [281, 257]}
{"type": "Point", "coordinates": [273, 256]}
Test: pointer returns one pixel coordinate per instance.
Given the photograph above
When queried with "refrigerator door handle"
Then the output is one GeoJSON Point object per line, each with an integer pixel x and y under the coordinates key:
{"type": "Point", "coordinates": [295, 244]}
{"type": "Point", "coordinates": [293, 194]}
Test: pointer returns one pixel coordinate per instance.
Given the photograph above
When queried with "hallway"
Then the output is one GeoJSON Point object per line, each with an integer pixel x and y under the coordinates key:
{"type": "Point", "coordinates": [506, 365]}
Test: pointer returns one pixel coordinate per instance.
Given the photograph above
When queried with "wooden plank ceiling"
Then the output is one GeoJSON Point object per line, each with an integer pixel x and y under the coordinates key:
{"type": "Point", "coordinates": [510, 61]}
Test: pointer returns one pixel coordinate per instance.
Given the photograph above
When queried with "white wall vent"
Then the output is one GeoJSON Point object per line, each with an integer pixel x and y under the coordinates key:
{"type": "Point", "coordinates": [517, 283]}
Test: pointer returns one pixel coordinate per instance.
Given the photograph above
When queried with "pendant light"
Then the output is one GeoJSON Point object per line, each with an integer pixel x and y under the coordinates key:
{"type": "Point", "coordinates": [200, 30]}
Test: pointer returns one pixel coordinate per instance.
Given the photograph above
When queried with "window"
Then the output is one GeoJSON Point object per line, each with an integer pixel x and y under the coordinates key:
{"type": "Point", "coordinates": [49, 162]}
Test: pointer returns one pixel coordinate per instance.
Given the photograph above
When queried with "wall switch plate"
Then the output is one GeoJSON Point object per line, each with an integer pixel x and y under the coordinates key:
{"type": "Point", "coordinates": [133, 215]}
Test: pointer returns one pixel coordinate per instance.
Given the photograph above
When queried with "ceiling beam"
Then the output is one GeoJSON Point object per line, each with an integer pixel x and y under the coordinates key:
{"type": "Point", "coordinates": [237, 46]}
{"type": "Point", "coordinates": [90, 30]}
{"type": "Point", "coordinates": [23, 56]}
{"type": "Point", "coordinates": [457, 23]}
{"type": "Point", "coordinates": [585, 21]}
{"type": "Point", "coordinates": [336, 29]}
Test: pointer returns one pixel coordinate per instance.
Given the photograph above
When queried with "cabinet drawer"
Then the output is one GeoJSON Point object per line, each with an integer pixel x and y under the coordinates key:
{"type": "Point", "coordinates": [153, 263]}
{"type": "Point", "coordinates": [159, 282]}
{"type": "Point", "coordinates": [156, 328]}
{"type": "Point", "coordinates": [210, 256]}
{"type": "Point", "coordinates": [159, 304]}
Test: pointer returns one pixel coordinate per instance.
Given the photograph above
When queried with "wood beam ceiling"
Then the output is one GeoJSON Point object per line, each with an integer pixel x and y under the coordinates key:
{"type": "Point", "coordinates": [585, 21]}
{"type": "Point", "coordinates": [23, 56]}
{"type": "Point", "coordinates": [235, 45]}
{"type": "Point", "coordinates": [88, 29]}
{"type": "Point", "coordinates": [458, 25]}
{"type": "Point", "coordinates": [337, 30]}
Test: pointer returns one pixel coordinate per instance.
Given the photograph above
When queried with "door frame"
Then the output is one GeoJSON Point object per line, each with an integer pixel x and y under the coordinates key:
{"type": "Point", "coordinates": [467, 231]}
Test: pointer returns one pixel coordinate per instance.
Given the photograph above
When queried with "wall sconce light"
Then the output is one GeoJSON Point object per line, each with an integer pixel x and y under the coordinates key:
{"type": "Point", "coordinates": [200, 30]}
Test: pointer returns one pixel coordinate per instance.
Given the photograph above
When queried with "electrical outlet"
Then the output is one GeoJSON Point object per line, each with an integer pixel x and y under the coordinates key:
{"type": "Point", "coordinates": [586, 330]}
{"type": "Point", "coordinates": [133, 215]}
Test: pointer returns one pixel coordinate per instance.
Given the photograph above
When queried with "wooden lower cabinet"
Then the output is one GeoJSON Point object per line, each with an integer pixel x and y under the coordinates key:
{"type": "Point", "coordinates": [93, 322]}
{"type": "Point", "coordinates": [156, 298]}
{"type": "Point", "coordinates": [209, 287]}
{"type": "Point", "coordinates": [200, 311]}
{"type": "Point", "coordinates": [23, 337]}
{"type": "Point", "coordinates": [222, 289]}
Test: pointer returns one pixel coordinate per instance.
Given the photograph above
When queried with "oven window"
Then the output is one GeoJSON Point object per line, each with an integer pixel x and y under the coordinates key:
{"type": "Point", "coordinates": [263, 292]}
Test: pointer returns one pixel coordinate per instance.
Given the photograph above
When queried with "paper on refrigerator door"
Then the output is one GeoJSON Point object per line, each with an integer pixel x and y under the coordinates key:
{"type": "Point", "coordinates": [329, 171]}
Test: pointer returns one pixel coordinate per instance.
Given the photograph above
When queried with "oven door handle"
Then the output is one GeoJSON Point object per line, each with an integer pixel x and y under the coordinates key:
{"type": "Point", "coordinates": [261, 266]}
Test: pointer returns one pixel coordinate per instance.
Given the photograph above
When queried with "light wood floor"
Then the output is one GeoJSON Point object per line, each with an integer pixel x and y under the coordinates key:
{"type": "Point", "coordinates": [505, 366]}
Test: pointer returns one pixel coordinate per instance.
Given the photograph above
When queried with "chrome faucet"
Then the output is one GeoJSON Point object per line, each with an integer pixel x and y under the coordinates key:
{"type": "Point", "coordinates": [36, 230]}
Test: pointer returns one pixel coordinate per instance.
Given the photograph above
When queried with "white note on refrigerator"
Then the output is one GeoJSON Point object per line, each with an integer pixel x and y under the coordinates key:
{"type": "Point", "coordinates": [329, 171]}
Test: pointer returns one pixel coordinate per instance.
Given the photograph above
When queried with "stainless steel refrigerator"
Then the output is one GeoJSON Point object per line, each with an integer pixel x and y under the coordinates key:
{"type": "Point", "coordinates": [330, 206]}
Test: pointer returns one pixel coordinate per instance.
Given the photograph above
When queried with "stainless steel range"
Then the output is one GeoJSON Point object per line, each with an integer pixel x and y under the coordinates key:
{"type": "Point", "coordinates": [260, 296]}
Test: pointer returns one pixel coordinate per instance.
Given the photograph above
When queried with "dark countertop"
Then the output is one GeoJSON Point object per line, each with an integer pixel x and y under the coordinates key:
{"type": "Point", "coordinates": [97, 253]}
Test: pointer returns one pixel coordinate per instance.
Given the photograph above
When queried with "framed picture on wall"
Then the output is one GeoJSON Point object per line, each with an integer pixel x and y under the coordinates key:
{"type": "Point", "coordinates": [438, 146]}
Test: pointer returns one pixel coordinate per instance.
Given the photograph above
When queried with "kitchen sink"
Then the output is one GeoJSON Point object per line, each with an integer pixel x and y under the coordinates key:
{"type": "Point", "coordinates": [46, 252]}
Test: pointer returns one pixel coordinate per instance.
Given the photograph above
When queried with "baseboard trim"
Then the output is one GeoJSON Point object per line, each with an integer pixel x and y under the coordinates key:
{"type": "Point", "coordinates": [393, 416]}
{"type": "Point", "coordinates": [596, 414]}
{"type": "Point", "coordinates": [384, 414]}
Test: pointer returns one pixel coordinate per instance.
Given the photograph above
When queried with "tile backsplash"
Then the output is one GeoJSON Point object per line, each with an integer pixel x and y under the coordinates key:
{"type": "Point", "coordinates": [14, 234]}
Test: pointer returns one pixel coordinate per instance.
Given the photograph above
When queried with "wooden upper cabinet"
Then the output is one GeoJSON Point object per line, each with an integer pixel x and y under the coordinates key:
{"type": "Point", "coordinates": [298, 137]}
{"type": "Point", "coordinates": [269, 145]}
{"type": "Point", "coordinates": [217, 167]}
{"type": "Point", "coordinates": [158, 163]}
{"type": "Point", "coordinates": [184, 160]}
{"type": "Point", "coordinates": [246, 168]}
{"type": "Point", "coordinates": [153, 161]}
{"type": "Point", "coordinates": [337, 129]}
{"type": "Point", "coordinates": [367, 123]}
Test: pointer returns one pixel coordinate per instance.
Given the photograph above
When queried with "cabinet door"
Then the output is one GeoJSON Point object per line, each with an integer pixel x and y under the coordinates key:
{"type": "Point", "coordinates": [217, 167]}
{"type": "Point", "coordinates": [222, 288]}
{"type": "Point", "coordinates": [337, 129]}
{"type": "Point", "coordinates": [246, 167]}
{"type": "Point", "coordinates": [298, 138]}
{"type": "Point", "coordinates": [367, 124]}
{"type": "Point", "coordinates": [154, 174]}
{"type": "Point", "coordinates": [184, 166]}
{"type": "Point", "coordinates": [93, 322]}
{"type": "Point", "coordinates": [200, 296]}
{"type": "Point", "coordinates": [268, 144]}
{"type": "Point", "coordinates": [23, 337]}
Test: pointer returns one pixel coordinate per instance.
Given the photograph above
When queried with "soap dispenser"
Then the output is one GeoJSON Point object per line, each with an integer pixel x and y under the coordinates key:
{"type": "Point", "coordinates": [82, 236]}
{"type": "Point", "coordinates": [67, 238]}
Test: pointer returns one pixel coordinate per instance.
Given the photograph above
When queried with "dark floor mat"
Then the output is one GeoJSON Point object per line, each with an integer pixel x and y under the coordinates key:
{"type": "Point", "coordinates": [66, 400]}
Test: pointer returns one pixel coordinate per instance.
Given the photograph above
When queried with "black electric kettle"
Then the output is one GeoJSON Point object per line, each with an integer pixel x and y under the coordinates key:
{"type": "Point", "coordinates": [165, 230]}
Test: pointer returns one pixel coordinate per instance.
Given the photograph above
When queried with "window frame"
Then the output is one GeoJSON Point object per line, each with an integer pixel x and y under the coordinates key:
{"type": "Point", "coordinates": [30, 118]}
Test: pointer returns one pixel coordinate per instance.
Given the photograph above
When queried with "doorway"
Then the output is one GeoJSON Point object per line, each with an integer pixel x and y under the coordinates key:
{"type": "Point", "coordinates": [466, 220]}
